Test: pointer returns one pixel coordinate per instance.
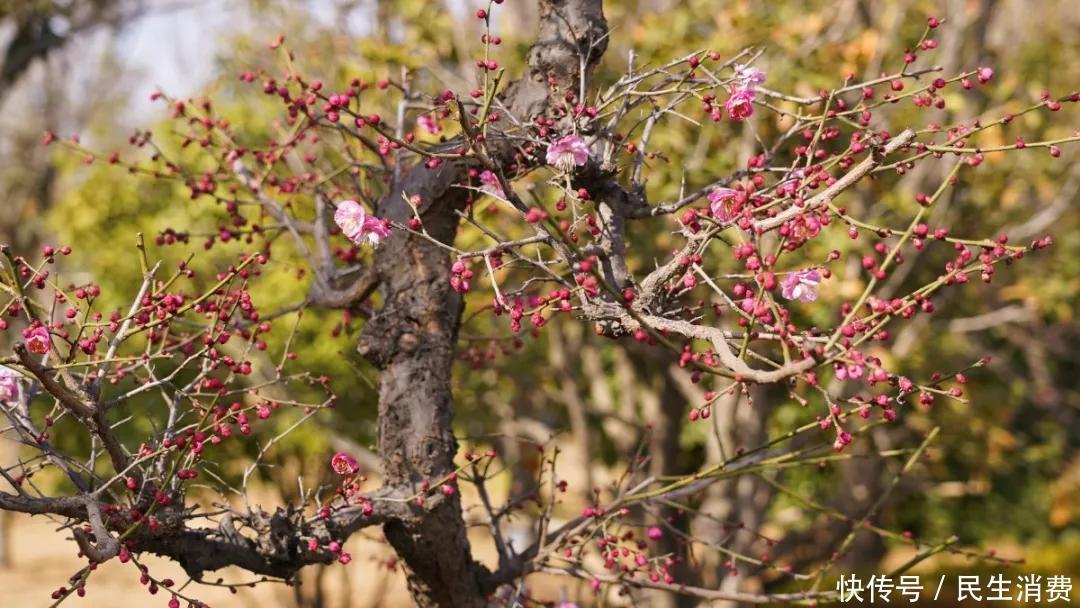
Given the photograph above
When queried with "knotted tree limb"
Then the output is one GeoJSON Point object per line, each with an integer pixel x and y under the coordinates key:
{"type": "Point", "coordinates": [277, 544]}
{"type": "Point", "coordinates": [849, 179]}
{"type": "Point", "coordinates": [104, 546]}
{"type": "Point", "coordinates": [79, 403]}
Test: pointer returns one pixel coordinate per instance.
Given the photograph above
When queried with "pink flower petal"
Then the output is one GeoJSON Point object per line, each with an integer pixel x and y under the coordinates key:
{"type": "Point", "coordinates": [358, 226]}
{"type": "Point", "coordinates": [567, 153]}
{"type": "Point", "coordinates": [740, 105]}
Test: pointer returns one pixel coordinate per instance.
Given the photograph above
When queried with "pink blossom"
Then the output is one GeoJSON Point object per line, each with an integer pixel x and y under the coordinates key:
{"type": "Point", "coordinates": [344, 464]}
{"type": "Point", "coordinates": [37, 339]}
{"type": "Point", "coordinates": [848, 372]}
{"type": "Point", "coordinates": [843, 438]}
{"type": "Point", "coordinates": [567, 605]}
{"type": "Point", "coordinates": [747, 304]}
{"type": "Point", "coordinates": [748, 76]}
{"type": "Point", "coordinates": [801, 285]}
{"type": "Point", "coordinates": [429, 124]}
{"type": "Point", "coordinates": [985, 74]}
{"type": "Point", "coordinates": [655, 533]}
{"type": "Point", "coordinates": [740, 105]}
{"type": "Point", "coordinates": [358, 226]}
{"type": "Point", "coordinates": [490, 184]}
{"type": "Point", "coordinates": [567, 153]}
{"type": "Point", "coordinates": [790, 186]}
{"type": "Point", "coordinates": [806, 227]}
{"type": "Point", "coordinates": [722, 203]}
{"type": "Point", "coordinates": [841, 371]}
{"type": "Point", "coordinates": [9, 384]}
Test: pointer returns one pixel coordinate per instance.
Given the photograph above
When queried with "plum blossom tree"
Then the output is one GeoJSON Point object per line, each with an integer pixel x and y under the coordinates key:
{"type": "Point", "coordinates": [375, 213]}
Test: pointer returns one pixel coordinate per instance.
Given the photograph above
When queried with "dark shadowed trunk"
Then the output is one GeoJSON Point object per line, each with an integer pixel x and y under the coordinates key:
{"type": "Point", "coordinates": [666, 424]}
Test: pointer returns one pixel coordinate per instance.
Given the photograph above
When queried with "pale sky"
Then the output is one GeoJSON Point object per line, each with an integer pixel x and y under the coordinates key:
{"type": "Point", "coordinates": [175, 50]}
{"type": "Point", "coordinates": [173, 47]}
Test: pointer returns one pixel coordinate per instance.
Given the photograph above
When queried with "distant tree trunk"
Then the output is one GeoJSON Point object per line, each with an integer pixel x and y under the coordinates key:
{"type": "Point", "coordinates": [666, 415]}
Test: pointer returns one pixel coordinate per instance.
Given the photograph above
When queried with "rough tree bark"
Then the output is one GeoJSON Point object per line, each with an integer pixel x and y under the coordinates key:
{"type": "Point", "coordinates": [412, 338]}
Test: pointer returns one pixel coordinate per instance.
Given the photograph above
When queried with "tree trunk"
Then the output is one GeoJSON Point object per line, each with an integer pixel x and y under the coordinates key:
{"type": "Point", "coordinates": [412, 338]}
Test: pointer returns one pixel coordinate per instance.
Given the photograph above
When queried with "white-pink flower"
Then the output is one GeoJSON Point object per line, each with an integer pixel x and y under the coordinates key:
{"type": "Point", "coordinates": [748, 76]}
{"type": "Point", "coordinates": [9, 384]}
{"type": "Point", "coordinates": [358, 226]}
{"type": "Point", "coordinates": [801, 285]}
{"type": "Point", "coordinates": [722, 203]}
{"type": "Point", "coordinates": [489, 183]}
{"type": "Point", "coordinates": [567, 153]}
{"type": "Point", "coordinates": [740, 103]}
{"type": "Point", "coordinates": [848, 372]}
{"type": "Point", "coordinates": [429, 124]}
